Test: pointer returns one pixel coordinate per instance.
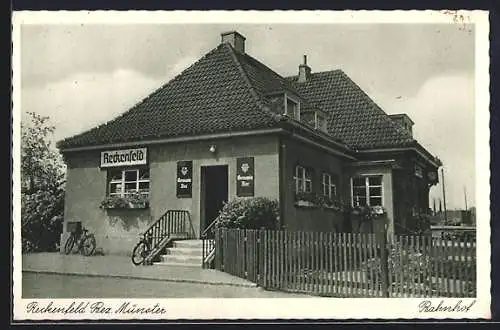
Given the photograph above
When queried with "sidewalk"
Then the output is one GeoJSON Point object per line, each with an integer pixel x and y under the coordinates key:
{"type": "Point", "coordinates": [122, 267]}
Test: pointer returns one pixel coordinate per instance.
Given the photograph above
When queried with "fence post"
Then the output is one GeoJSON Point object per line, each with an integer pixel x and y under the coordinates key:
{"type": "Point", "coordinates": [384, 262]}
{"type": "Point", "coordinates": [260, 257]}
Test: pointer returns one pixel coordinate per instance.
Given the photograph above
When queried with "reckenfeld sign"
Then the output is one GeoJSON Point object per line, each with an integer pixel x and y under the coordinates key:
{"type": "Point", "coordinates": [124, 157]}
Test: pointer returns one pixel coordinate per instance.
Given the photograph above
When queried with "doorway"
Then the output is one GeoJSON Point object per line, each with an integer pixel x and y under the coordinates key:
{"type": "Point", "coordinates": [214, 192]}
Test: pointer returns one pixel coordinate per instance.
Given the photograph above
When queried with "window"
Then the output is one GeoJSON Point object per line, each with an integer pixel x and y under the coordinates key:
{"type": "Point", "coordinates": [329, 188]}
{"type": "Point", "coordinates": [122, 182]}
{"type": "Point", "coordinates": [418, 171]}
{"type": "Point", "coordinates": [303, 179]}
{"type": "Point", "coordinates": [292, 108]}
{"type": "Point", "coordinates": [367, 190]}
{"type": "Point", "coordinates": [321, 122]}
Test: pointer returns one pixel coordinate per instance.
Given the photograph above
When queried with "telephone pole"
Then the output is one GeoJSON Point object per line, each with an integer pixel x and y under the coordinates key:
{"type": "Point", "coordinates": [465, 197]}
{"type": "Point", "coordinates": [444, 195]}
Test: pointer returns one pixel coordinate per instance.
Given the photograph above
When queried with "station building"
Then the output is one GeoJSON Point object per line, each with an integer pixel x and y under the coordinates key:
{"type": "Point", "coordinates": [230, 127]}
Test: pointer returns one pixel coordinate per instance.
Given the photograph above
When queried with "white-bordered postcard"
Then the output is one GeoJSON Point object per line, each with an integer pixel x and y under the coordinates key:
{"type": "Point", "coordinates": [182, 165]}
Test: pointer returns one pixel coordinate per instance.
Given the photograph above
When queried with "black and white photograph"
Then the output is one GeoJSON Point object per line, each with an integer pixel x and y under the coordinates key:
{"type": "Point", "coordinates": [339, 157]}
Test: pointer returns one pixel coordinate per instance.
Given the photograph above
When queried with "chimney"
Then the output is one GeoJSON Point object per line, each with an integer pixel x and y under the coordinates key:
{"type": "Point", "coordinates": [304, 71]}
{"type": "Point", "coordinates": [235, 39]}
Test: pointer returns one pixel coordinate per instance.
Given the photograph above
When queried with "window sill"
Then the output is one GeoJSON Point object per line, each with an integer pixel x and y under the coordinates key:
{"type": "Point", "coordinates": [305, 204]}
{"type": "Point", "coordinates": [311, 205]}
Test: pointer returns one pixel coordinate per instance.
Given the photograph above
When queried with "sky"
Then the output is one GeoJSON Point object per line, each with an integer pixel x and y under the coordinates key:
{"type": "Point", "coordinates": [82, 75]}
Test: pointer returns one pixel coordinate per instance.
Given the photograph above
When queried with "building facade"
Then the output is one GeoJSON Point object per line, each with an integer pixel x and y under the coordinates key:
{"type": "Point", "coordinates": [230, 127]}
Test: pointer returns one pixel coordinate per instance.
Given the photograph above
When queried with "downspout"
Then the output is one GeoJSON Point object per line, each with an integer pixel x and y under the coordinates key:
{"type": "Point", "coordinates": [282, 178]}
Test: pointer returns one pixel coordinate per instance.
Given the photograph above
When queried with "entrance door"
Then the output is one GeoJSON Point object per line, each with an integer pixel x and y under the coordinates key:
{"type": "Point", "coordinates": [214, 192]}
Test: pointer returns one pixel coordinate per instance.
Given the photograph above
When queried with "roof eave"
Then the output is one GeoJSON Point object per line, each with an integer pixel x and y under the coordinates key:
{"type": "Point", "coordinates": [416, 147]}
{"type": "Point", "coordinates": [187, 138]}
{"type": "Point", "coordinates": [342, 148]}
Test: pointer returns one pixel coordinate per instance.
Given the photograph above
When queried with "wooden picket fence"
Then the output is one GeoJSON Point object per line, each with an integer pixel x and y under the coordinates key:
{"type": "Point", "coordinates": [348, 264]}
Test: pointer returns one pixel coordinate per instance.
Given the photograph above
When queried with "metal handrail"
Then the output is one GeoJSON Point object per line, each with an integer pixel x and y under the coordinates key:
{"type": "Point", "coordinates": [208, 229]}
{"type": "Point", "coordinates": [190, 225]}
{"type": "Point", "coordinates": [159, 232]}
{"type": "Point", "coordinates": [208, 246]}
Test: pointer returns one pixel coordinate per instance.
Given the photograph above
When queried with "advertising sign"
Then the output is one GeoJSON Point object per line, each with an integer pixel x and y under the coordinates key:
{"type": "Point", "coordinates": [184, 179]}
{"type": "Point", "coordinates": [245, 177]}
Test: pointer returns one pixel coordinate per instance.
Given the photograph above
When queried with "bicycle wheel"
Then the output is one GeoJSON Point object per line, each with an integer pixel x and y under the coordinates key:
{"type": "Point", "coordinates": [68, 246]}
{"type": "Point", "coordinates": [88, 245]}
{"type": "Point", "coordinates": [139, 253]}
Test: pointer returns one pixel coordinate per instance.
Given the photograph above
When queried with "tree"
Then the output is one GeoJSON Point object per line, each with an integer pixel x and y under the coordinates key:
{"type": "Point", "coordinates": [42, 186]}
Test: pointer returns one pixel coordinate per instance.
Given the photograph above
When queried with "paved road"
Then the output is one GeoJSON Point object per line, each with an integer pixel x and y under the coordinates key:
{"type": "Point", "coordinates": [122, 267]}
{"type": "Point", "coordinates": [71, 286]}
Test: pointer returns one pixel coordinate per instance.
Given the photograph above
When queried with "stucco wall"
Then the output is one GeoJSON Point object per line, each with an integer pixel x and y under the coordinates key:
{"type": "Point", "coordinates": [387, 189]}
{"type": "Point", "coordinates": [117, 231]}
{"type": "Point", "coordinates": [164, 161]}
{"type": "Point", "coordinates": [411, 196]}
{"type": "Point", "coordinates": [310, 219]}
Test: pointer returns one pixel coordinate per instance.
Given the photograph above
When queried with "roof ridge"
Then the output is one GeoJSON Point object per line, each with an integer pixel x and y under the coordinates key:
{"type": "Point", "coordinates": [285, 83]}
{"type": "Point", "coordinates": [251, 87]}
{"type": "Point", "coordinates": [316, 73]}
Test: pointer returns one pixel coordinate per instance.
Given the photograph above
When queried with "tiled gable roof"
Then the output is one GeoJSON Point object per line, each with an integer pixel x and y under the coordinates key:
{"type": "Point", "coordinates": [229, 91]}
{"type": "Point", "coordinates": [353, 116]}
{"type": "Point", "coordinates": [210, 96]}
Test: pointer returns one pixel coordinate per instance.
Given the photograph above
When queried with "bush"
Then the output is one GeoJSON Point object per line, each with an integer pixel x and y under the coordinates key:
{"type": "Point", "coordinates": [419, 224]}
{"type": "Point", "coordinates": [411, 264]}
{"type": "Point", "coordinates": [456, 269]}
{"type": "Point", "coordinates": [249, 213]}
{"type": "Point", "coordinates": [460, 236]}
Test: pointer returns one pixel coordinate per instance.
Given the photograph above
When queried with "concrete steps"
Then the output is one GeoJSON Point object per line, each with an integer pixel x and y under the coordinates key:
{"type": "Point", "coordinates": [183, 253]}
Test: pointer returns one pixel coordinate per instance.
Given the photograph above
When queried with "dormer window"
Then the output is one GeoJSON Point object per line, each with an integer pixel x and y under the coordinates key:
{"type": "Point", "coordinates": [292, 108]}
{"type": "Point", "coordinates": [320, 122]}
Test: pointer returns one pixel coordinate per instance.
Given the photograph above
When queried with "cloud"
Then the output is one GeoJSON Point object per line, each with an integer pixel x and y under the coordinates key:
{"type": "Point", "coordinates": [83, 100]}
{"type": "Point", "coordinates": [443, 112]}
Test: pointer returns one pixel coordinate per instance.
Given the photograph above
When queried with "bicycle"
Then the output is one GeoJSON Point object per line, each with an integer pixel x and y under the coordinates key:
{"type": "Point", "coordinates": [141, 250]}
{"type": "Point", "coordinates": [85, 242]}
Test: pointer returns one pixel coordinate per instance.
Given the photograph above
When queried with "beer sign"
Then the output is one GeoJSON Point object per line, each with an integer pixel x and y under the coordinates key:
{"type": "Point", "coordinates": [245, 177]}
{"type": "Point", "coordinates": [124, 157]}
{"type": "Point", "coordinates": [184, 179]}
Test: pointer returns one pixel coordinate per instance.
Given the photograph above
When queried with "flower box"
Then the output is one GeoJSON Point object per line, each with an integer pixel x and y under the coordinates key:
{"type": "Point", "coordinates": [315, 200]}
{"type": "Point", "coordinates": [303, 203]}
{"type": "Point", "coordinates": [128, 206]}
{"type": "Point", "coordinates": [332, 208]}
{"type": "Point", "coordinates": [134, 201]}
